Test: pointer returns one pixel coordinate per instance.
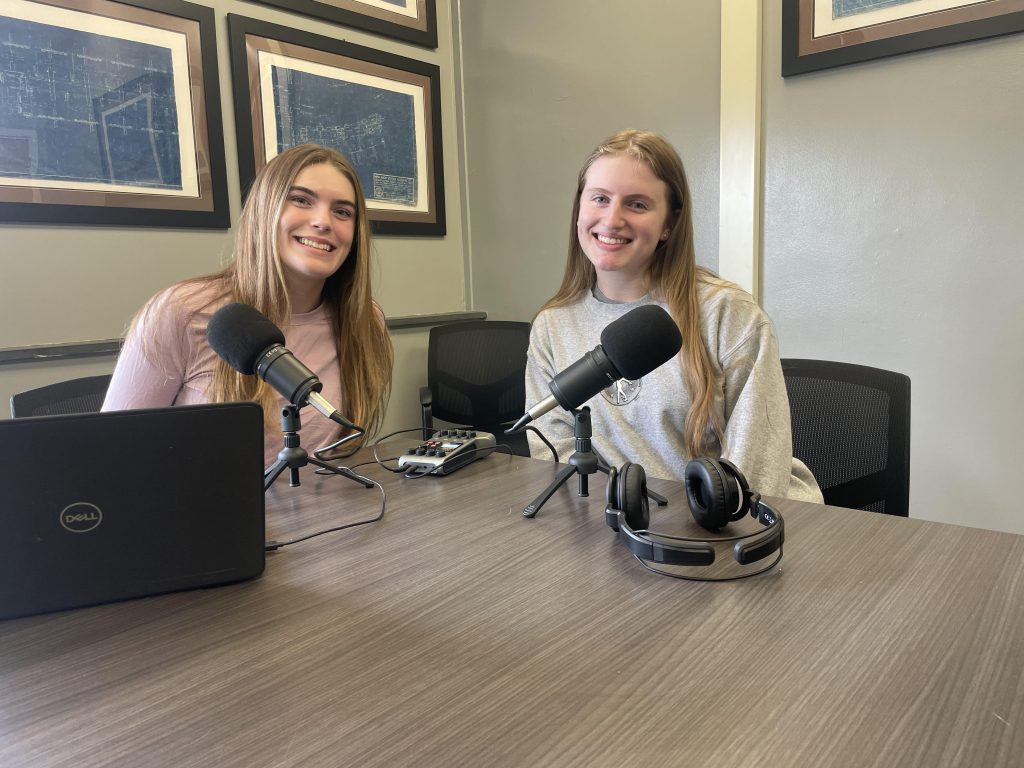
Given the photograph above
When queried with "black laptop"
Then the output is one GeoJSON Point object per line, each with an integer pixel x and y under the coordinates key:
{"type": "Point", "coordinates": [99, 507]}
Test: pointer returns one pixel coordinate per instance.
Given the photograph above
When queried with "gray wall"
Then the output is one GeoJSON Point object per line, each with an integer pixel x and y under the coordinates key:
{"type": "Point", "coordinates": [73, 283]}
{"type": "Point", "coordinates": [546, 81]}
{"type": "Point", "coordinates": [893, 201]}
{"type": "Point", "coordinates": [892, 211]}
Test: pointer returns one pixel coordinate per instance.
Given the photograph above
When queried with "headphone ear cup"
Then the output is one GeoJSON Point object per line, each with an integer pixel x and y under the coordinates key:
{"type": "Point", "coordinates": [611, 495]}
{"type": "Point", "coordinates": [738, 505]}
{"type": "Point", "coordinates": [632, 494]}
{"type": "Point", "coordinates": [711, 493]}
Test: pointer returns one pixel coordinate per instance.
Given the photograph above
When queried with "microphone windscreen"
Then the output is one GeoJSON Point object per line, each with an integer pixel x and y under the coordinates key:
{"type": "Point", "coordinates": [641, 340]}
{"type": "Point", "coordinates": [240, 334]}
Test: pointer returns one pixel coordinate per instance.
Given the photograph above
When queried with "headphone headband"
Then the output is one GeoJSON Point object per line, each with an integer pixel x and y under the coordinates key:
{"type": "Point", "coordinates": [717, 494]}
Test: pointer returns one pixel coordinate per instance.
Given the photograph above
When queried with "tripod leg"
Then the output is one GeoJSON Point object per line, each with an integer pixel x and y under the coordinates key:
{"type": "Point", "coordinates": [584, 485]}
{"type": "Point", "coordinates": [534, 506]}
{"type": "Point", "coordinates": [343, 471]}
{"type": "Point", "coordinates": [272, 472]}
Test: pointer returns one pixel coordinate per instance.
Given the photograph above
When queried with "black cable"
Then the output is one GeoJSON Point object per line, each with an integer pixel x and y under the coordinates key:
{"type": "Point", "coordinates": [412, 474]}
{"type": "Point", "coordinates": [554, 453]}
{"type": "Point", "coordinates": [380, 462]}
{"type": "Point", "coordinates": [415, 472]}
{"type": "Point", "coordinates": [272, 546]}
{"type": "Point", "coordinates": [322, 453]}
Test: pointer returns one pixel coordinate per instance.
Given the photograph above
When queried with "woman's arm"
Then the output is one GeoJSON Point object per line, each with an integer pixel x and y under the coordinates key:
{"type": "Point", "coordinates": [558, 424]}
{"type": "Point", "coordinates": [758, 437]}
{"type": "Point", "coordinates": [150, 369]}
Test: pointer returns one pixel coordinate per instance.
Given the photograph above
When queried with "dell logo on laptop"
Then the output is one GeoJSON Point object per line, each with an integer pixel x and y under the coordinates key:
{"type": "Point", "coordinates": [81, 517]}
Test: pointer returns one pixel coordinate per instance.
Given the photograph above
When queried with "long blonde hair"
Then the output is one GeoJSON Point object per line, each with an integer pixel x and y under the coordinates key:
{"type": "Point", "coordinates": [673, 275]}
{"type": "Point", "coordinates": [255, 277]}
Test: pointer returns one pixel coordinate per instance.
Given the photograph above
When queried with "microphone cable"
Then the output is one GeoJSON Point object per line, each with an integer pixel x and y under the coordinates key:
{"type": "Point", "coordinates": [273, 546]}
{"type": "Point", "coordinates": [538, 433]}
{"type": "Point", "coordinates": [324, 453]}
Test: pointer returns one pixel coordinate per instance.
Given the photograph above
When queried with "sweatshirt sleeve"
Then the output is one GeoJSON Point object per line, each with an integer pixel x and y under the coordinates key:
{"type": "Point", "coordinates": [758, 436]}
{"type": "Point", "coordinates": [151, 367]}
{"type": "Point", "coordinates": [557, 424]}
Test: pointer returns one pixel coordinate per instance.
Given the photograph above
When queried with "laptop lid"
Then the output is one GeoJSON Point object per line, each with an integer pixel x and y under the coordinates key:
{"type": "Point", "coordinates": [100, 507]}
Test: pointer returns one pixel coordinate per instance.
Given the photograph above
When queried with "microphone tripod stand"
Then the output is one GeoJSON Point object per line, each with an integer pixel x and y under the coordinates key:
{"type": "Point", "coordinates": [293, 456]}
{"type": "Point", "coordinates": [585, 462]}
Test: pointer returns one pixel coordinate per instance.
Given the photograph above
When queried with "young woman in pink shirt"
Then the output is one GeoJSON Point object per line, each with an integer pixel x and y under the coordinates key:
{"type": "Point", "coordinates": [302, 258]}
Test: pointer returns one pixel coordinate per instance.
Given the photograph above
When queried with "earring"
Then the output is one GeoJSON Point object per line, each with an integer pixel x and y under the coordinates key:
{"type": "Point", "coordinates": [665, 234]}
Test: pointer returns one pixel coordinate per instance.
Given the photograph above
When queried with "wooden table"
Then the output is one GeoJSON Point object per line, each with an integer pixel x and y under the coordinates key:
{"type": "Point", "coordinates": [456, 632]}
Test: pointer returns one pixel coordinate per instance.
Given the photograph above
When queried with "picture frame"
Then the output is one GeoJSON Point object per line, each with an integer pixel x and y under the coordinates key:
{"type": "Point", "coordinates": [111, 114]}
{"type": "Point", "coordinates": [382, 111]}
{"type": "Point", "coordinates": [412, 21]}
{"type": "Point", "coordinates": [815, 37]}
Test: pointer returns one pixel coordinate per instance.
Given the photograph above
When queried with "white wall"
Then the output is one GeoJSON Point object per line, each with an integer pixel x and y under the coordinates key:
{"type": "Point", "coordinates": [893, 232]}
{"type": "Point", "coordinates": [544, 83]}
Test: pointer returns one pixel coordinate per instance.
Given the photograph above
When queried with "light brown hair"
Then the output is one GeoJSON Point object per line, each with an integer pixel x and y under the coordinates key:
{"type": "Point", "coordinates": [255, 277]}
{"type": "Point", "coordinates": [673, 276]}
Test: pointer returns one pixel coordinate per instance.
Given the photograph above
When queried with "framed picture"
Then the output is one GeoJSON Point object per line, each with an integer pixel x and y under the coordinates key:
{"type": "Point", "coordinates": [383, 112]}
{"type": "Point", "coordinates": [818, 34]}
{"type": "Point", "coordinates": [414, 21]}
{"type": "Point", "coordinates": [110, 114]}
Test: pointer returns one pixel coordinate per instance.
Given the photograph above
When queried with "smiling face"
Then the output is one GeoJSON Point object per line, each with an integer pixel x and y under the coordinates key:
{"type": "Point", "coordinates": [315, 231]}
{"type": "Point", "coordinates": [624, 216]}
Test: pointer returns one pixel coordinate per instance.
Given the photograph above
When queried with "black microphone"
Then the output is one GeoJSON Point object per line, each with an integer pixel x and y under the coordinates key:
{"type": "Point", "coordinates": [631, 347]}
{"type": "Point", "coordinates": [253, 345]}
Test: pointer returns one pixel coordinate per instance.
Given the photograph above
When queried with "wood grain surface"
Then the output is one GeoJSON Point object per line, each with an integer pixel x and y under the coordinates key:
{"type": "Point", "coordinates": [454, 632]}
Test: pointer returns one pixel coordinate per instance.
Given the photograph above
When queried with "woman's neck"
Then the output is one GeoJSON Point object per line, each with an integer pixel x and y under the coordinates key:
{"type": "Point", "coordinates": [616, 286]}
{"type": "Point", "coordinates": [305, 297]}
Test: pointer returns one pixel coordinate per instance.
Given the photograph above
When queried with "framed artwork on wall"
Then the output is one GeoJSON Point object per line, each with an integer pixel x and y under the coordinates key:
{"type": "Point", "coordinates": [381, 111]}
{"type": "Point", "coordinates": [819, 34]}
{"type": "Point", "coordinates": [414, 21]}
{"type": "Point", "coordinates": [110, 114]}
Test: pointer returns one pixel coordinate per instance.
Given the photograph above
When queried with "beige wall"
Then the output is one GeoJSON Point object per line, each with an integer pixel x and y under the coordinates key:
{"type": "Point", "coordinates": [65, 283]}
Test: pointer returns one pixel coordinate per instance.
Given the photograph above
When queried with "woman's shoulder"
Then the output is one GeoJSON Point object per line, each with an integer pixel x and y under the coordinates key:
{"type": "Point", "coordinates": [558, 313]}
{"type": "Point", "coordinates": [183, 302]}
{"type": "Point", "coordinates": [730, 316]}
{"type": "Point", "coordinates": [723, 298]}
{"type": "Point", "coordinates": [192, 294]}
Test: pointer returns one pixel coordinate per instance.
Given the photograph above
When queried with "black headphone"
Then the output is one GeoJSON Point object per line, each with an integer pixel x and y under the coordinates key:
{"type": "Point", "coordinates": [717, 494]}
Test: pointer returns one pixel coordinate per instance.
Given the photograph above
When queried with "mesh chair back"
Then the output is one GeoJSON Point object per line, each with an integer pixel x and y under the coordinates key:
{"type": "Point", "coordinates": [84, 395]}
{"type": "Point", "coordinates": [476, 372]}
{"type": "Point", "coordinates": [851, 427]}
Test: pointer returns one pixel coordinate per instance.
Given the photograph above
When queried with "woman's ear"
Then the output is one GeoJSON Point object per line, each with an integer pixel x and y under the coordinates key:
{"type": "Point", "coordinates": [669, 224]}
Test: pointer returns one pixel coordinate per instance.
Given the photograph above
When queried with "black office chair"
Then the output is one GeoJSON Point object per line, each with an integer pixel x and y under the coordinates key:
{"type": "Point", "coordinates": [851, 427]}
{"type": "Point", "coordinates": [476, 377]}
{"type": "Point", "coordinates": [83, 395]}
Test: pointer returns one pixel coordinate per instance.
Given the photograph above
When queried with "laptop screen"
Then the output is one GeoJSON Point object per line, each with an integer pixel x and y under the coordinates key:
{"type": "Point", "coordinates": [99, 507]}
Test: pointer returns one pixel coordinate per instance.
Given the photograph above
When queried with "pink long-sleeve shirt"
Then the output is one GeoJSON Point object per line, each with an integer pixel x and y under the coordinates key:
{"type": "Point", "coordinates": [174, 364]}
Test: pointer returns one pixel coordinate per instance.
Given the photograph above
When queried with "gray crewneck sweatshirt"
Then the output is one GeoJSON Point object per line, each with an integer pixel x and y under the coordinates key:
{"type": "Point", "coordinates": [642, 421]}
